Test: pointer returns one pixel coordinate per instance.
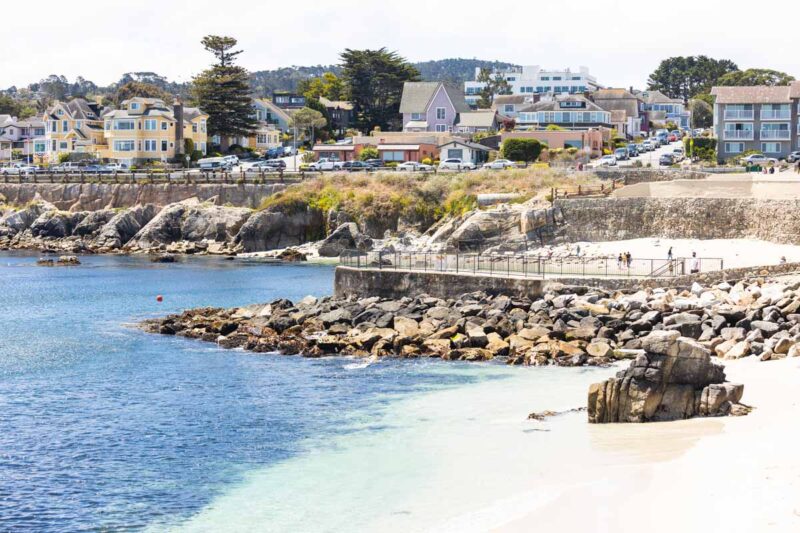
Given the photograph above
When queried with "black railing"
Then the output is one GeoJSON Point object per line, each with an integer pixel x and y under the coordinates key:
{"type": "Point", "coordinates": [528, 266]}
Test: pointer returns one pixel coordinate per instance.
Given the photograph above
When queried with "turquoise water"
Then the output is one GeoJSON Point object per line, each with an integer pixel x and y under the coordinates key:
{"type": "Point", "coordinates": [105, 428]}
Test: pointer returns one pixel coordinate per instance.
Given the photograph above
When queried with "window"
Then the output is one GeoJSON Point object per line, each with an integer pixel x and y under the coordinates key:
{"type": "Point", "coordinates": [453, 153]}
{"type": "Point", "coordinates": [78, 124]}
{"type": "Point", "coordinates": [203, 126]}
{"type": "Point", "coordinates": [150, 124]}
{"type": "Point", "coordinates": [203, 147]}
{"type": "Point", "coordinates": [771, 148]}
{"type": "Point", "coordinates": [64, 125]}
{"type": "Point", "coordinates": [441, 128]}
{"type": "Point", "coordinates": [576, 78]}
{"type": "Point", "coordinates": [441, 113]}
{"type": "Point", "coordinates": [134, 106]}
{"type": "Point", "coordinates": [545, 78]}
{"type": "Point", "coordinates": [124, 146]}
{"type": "Point", "coordinates": [39, 147]}
{"type": "Point", "coordinates": [164, 125]}
{"type": "Point", "coordinates": [416, 116]}
{"type": "Point", "coordinates": [261, 138]}
{"type": "Point", "coordinates": [194, 128]}
{"type": "Point", "coordinates": [150, 145]}
{"type": "Point", "coordinates": [38, 131]}
{"type": "Point", "coordinates": [124, 125]}
{"type": "Point", "coordinates": [393, 155]}
{"type": "Point", "coordinates": [163, 146]}
{"type": "Point", "coordinates": [53, 124]}
{"type": "Point", "coordinates": [556, 78]}
{"type": "Point", "coordinates": [734, 148]}
{"type": "Point", "coordinates": [63, 146]}
{"type": "Point", "coordinates": [60, 112]}
{"type": "Point", "coordinates": [107, 125]}
{"type": "Point", "coordinates": [508, 108]}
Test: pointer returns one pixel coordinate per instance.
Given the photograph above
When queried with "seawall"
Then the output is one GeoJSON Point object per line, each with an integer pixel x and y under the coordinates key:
{"type": "Point", "coordinates": [95, 196]}
{"type": "Point", "coordinates": [611, 219]}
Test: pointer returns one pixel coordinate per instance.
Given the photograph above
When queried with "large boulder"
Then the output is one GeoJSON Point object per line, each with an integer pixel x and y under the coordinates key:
{"type": "Point", "coordinates": [124, 225]}
{"type": "Point", "coordinates": [280, 228]}
{"type": "Point", "coordinates": [673, 378]}
{"type": "Point", "coordinates": [345, 237]}
{"type": "Point", "coordinates": [56, 224]}
{"type": "Point", "coordinates": [93, 222]}
{"type": "Point", "coordinates": [18, 221]}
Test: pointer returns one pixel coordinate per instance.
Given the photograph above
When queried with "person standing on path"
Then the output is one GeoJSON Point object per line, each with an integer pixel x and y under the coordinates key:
{"type": "Point", "coordinates": [669, 254]}
{"type": "Point", "coordinates": [695, 264]}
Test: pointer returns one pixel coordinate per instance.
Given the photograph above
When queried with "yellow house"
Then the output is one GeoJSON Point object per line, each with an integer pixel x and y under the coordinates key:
{"type": "Point", "coordinates": [148, 129]}
{"type": "Point", "coordinates": [74, 126]}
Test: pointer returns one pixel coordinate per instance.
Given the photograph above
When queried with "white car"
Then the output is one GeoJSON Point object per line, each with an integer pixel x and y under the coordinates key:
{"type": "Point", "coordinates": [456, 164]}
{"type": "Point", "coordinates": [760, 159]}
{"type": "Point", "coordinates": [607, 161]}
{"type": "Point", "coordinates": [17, 169]}
{"type": "Point", "coordinates": [499, 164]}
{"type": "Point", "coordinates": [325, 164]}
{"type": "Point", "coordinates": [413, 166]}
{"type": "Point", "coordinates": [677, 155]}
{"type": "Point", "coordinates": [233, 161]}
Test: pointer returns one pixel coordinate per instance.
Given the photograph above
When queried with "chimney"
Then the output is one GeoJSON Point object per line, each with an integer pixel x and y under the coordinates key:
{"type": "Point", "coordinates": [177, 109]}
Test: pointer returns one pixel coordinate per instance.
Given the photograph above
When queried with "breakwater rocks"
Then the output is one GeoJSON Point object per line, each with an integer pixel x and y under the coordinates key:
{"type": "Point", "coordinates": [672, 379]}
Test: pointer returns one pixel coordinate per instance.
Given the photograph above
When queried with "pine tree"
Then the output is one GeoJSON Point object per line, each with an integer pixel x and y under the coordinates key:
{"type": "Point", "coordinates": [223, 91]}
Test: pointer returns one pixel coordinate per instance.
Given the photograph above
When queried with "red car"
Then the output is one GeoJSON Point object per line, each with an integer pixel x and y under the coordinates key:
{"type": "Point", "coordinates": [672, 138]}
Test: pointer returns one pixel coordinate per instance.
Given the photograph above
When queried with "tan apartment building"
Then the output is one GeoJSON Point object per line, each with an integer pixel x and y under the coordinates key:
{"type": "Point", "coordinates": [147, 129]}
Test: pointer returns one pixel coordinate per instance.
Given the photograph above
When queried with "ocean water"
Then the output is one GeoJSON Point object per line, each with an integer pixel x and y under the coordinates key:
{"type": "Point", "coordinates": [106, 428]}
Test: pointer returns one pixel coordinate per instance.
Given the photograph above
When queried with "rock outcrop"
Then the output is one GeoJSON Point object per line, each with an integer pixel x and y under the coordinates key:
{"type": "Point", "coordinates": [123, 226]}
{"type": "Point", "coordinates": [673, 378]}
{"type": "Point", "coordinates": [345, 237]}
{"type": "Point", "coordinates": [272, 229]}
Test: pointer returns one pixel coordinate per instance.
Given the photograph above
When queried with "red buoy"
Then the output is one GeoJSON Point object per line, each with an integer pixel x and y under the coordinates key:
{"type": "Point", "coordinates": [159, 298]}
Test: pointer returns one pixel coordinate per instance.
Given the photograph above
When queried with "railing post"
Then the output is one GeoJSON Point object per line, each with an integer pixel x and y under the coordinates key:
{"type": "Point", "coordinates": [456, 262]}
{"type": "Point", "coordinates": [380, 260]}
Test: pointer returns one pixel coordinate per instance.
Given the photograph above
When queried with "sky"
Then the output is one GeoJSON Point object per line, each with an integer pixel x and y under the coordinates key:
{"type": "Point", "coordinates": [621, 42]}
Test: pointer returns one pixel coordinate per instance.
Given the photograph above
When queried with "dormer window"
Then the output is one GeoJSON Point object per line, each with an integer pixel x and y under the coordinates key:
{"type": "Point", "coordinates": [134, 106]}
{"type": "Point", "coordinates": [60, 112]}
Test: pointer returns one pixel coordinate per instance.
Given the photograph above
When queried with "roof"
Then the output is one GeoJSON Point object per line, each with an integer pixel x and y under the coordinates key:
{"type": "Point", "coordinates": [417, 96]}
{"type": "Point", "coordinates": [555, 104]}
{"type": "Point", "coordinates": [477, 119]}
{"type": "Point", "coordinates": [474, 146]}
{"type": "Point", "coordinates": [612, 94]}
{"type": "Point", "coordinates": [77, 109]}
{"type": "Point", "coordinates": [761, 94]}
{"type": "Point", "coordinates": [657, 97]}
{"type": "Point", "coordinates": [416, 124]}
{"type": "Point", "coordinates": [794, 89]}
{"type": "Point", "coordinates": [333, 148]}
{"type": "Point", "coordinates": [337, 104]}
{"type": "Point", "coordinates": [618, 115]}
{"type": "Point", "coordinates": [269, 104]}
{"type": "Point", "coordinates": [502, 99]}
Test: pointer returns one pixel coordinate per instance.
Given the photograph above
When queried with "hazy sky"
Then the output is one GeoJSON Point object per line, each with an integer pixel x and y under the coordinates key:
{"type": "Point", "coordinates": [620, 41]}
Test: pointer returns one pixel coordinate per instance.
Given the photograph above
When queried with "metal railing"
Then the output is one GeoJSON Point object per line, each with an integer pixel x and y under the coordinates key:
{"type": "Point", "coordinates": [744, 135]}
{"type": "Point", "coordinates": [774, 114]}
{"type": "Point", "coordinates": [780, 135]}
{"type": "Point", "coordinates": [741, 114]}
{"type": "Point", "coordinates": [527, 266]}
{"type": "Point", "coordinates": [148, 176]}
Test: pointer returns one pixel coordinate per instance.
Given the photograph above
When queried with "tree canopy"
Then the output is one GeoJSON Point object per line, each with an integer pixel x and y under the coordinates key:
{"type": "Point", "coordinates": [223, 91]}
{"type": "Point", "coordinates": [137, 88]}
{"type": "Point", "coordinates": [684, 77]}
{"type": "Point", "coordinates": [702, 113]}
{"type": "Point", "coordinates": [494, 85]}
{"type": "Point", "coordinates": [373, 82]}
{"type": "Point", "coordinates": [755, 76]}
{"type": "Point", "coordinates": [326, 86]}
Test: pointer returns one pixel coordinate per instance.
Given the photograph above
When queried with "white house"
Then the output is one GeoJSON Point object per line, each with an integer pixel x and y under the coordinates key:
{"type": "Point", "coordinates": [535, 80]}
{"type": "Point", "coordinates": [464, 150]}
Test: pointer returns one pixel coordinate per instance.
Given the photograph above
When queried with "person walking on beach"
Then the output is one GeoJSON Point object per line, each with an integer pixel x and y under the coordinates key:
{"type": "Point", "coordinates": [669, 254]}
{"type": "Point", "coordinates": [695, 264]}
{"type": "Point", "coordinates": [628, 259]}
{"type": "Point", "coordinates": [619, 262]}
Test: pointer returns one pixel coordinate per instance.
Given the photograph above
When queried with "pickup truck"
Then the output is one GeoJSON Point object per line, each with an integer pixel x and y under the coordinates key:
{"type": "Point", "coordinates": [325, 164]}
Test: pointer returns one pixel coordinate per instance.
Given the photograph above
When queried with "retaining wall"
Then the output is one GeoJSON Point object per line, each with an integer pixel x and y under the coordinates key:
{"type": "Point", "coordinates": [632, 176]}
{"type": "Point", "coordinates": [94, 196]}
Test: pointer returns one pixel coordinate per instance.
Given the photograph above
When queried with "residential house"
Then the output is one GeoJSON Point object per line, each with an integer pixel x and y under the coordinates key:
{"type": "Point", "coordinates": [397, 147]}
{"type": "Point", "coordinates": [288, 100]}
{"type": "Point", "coordinates": [590, 141]}
{"type": "Point", "coordinates": [660, 108]}
{"type": "Point", "coordinates": [761, 118]}
{"type": "Point", "coordinates": [464, 150]}
{"type": "Point", "coordinates": [508, 105]}
{"type": "Point", "coordinates": [430, 106]}
{"type": "Point", "coordinates": [535, 80]}
{"type": "Point", "coordinates": [565, 111]}
{"type": "Point", "coordinates": [266, 111]}
{"type": "Point", "coordinates": [477, 121]}
{"type": "Point", "coordinates": [73, 127]}
{"type": "Point", "coordinates": [340, 113]}
{"type": "Point", "coordinates": [23, 137]}
{"type": "Point", "coordinates": [147, 129]}
{"type": "Point", "coordinates": [627, 110]}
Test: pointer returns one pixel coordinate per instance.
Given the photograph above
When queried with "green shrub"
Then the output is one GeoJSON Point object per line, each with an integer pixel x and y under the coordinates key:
{"type": "Point", "coordinates": [368, 152]}
{"type": "Point", "coordinates": [391, 164]}
{"type": "Point", "coordinates": [526, 150]}
{"type": "Point", "coordinates": [427, 161]}
{"type": "Point", "coordinates": [702, 148]}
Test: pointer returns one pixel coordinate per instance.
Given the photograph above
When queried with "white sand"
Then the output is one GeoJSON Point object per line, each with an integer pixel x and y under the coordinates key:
{"type": "Point", "coordinates": [734, 252]}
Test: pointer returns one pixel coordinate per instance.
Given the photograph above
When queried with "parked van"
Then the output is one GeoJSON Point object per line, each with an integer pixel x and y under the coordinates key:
{"type": "Point", "coordinates": [214, 163]}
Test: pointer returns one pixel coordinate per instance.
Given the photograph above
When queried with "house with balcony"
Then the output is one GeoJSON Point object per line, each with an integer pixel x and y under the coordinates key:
{"type": "Point", "coordinates": [267, 112]}
{"type": "Point", "coordinates": [567, 111]}
{"type": "Point", "coordinates": [760, 118]}
{"type": "Point", "coordinates": [431, 106]}
{"type": "Point", "coordinates": [147, 129]}
{"type": "Point", "coordinates": [73, 127]}
{"type": "Point", "coordinates": [531, 80]}
{"type": "Point", "coordinates": [627, 110]}
{"type": "Point", "coordinates": [660, 108]}
{"type": "Point", "coordinates": [22, 138]}
{"type": "Point", "coordinates": [288, 100]}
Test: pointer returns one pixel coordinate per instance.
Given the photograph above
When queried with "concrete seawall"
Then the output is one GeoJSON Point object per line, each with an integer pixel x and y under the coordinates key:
{"type": "Point", "coordinates": [396, 284]}
{"type": "Point", "coordinates": [94, 196]}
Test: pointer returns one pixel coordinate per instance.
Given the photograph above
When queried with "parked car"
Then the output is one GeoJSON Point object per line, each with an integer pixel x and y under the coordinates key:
{"type": "Point", "coordinates": [456, 164]}
{"type": "Point", "coordinates": [276, 163]}
{"type": "Point", "coordinates": [647, 146]}
{"type": "Point", "coordinates": [352, 166]}
{"type": "Point", "coordinates": [413, 166]}
{"type": "Point", "coordinates": [794, 157]}
{"type": "Point", "coordinates": [672, 137]}
{"type": "Point", "coordinates": [499, 164]}
{"type": "Point", "coordinates": [94, 169]}
{"type": "Point", "coordinates": [259, 165]}
{"type": "Point", "coordinates": [374, 163]}
{"type": "Point", "coordinates": [214, 163]}
{"type": "Point", "coordinates": [633, 150]}
{"type": "Point", "coordinates": [760, 159]}
{"type": "Point", "coordinates": [325, 164]}
{"type": "Point", "coordinates": [116, 167]}
{"type": "Point", "coordinates": [608, 161]}
{"type": "Point", "coordinates": [677, 155]}
{"type": "Point", "coordinates": [232, 160]}
{"type": "Point", "coordinates": [678, 134]}
{"type": "Point", "coordinates": [666, 160]}
{"type": "Point", "coordinates": [621, 154]}
{"type": "Point", "coordinates": [18, 169]}
{"type": "Point", "coordinates": [275, 152]}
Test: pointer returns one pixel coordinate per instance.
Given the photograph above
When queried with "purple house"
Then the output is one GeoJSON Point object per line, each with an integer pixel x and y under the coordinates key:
{"type": "Point", "coordinates": [431, 106]}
